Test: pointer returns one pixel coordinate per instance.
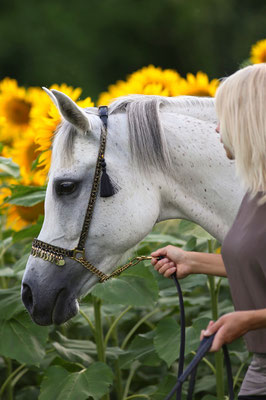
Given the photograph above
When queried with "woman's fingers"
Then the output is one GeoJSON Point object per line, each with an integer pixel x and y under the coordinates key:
{"type": "Point", "coordinates": [169, 272]}
{"type": "Point", "coordinates": [159, 252]}
{"type": "Point", "coordinates": [158, 264]}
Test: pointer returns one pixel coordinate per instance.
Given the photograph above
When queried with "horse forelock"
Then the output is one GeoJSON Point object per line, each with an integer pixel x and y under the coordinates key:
{"type": "Point", "coordinates": [147, 139]}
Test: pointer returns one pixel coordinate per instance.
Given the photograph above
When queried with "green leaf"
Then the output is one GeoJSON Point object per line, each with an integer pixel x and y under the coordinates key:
{"type": "Point", "coordinates": [72, 354]}
{"type": "Point", "coordinates": [80, 350]}
{"type": "Point", "coordinates": [26, 196]}
{"type": "Point", "coordinates": [8, 272]}
{"type": "Point", "coordinates": [191, 244]}
{"type": "Point", "coordinates": [205, 384]}
{"type": "Point", "coordinates": [190, 229]}
{"type": "Point", "coordinates": [21, 263]}
{"type": "Point", "coordinates": [193, 334]}
{"type": "Point", "coordinates": [10, 168]}
{"type": "Point", "coordinates": [165, 387]}
{"type": "Point", "coordinates": [23, 340]}
{"type": "Point", "coordinates": [167, 339]}
{"type": "Point", "coordinates": [28, 393]}
{"type": "Point", "coordinates": [5, 244]}
{"type": "Point", "coordinates": [60, 384]}
{"type": "Point", "coordinates": [136, 287]}
{"type": "Point", "coordinates": [10, 303]}
{"type": "Point", "coordinates": [142, 349]}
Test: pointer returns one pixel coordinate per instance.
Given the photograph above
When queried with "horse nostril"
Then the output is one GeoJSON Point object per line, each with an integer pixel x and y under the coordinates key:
{"type": "Point", "coordinates": [27, 297]}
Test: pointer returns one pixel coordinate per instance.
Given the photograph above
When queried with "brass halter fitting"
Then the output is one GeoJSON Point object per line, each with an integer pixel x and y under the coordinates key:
{"type": "Point", "coordinates": [47, 254]}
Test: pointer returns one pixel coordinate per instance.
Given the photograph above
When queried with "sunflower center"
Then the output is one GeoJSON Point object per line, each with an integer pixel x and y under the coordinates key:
{"type": "Point", "coordinates": [30, 214]}
{"type": "Point", "coordinates": [201, 93]}
{"type": "Point", "coordinates": [263, 56]}
{"type": "Point", "coordinates": [32, 153]}
{"type": "Point", "coordinates": [18, 111]}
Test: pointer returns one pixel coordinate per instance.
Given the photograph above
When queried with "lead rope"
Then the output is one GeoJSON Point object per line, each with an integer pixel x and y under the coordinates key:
{"type": "Point", "coordinates": [191, 369]}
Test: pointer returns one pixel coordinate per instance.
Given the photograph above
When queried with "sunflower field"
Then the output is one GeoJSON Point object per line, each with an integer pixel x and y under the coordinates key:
{"type": "Point", "coordinates": [131, 341]}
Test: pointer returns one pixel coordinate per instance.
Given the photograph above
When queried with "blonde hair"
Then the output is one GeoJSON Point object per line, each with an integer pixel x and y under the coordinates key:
{"type": "Point", "coordinates": [241, 108]}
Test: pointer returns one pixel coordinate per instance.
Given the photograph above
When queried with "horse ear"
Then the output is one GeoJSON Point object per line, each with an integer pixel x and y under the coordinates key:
{"type": "Point", "coordinates": [69, 110]}
{"type": "Point", "coordinates": [50, 94]}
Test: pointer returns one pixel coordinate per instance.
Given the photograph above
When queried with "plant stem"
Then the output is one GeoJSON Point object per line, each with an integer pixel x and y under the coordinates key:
{"type": "Point", "coordinates": [134, 396]}
{"type": "Point", "coordinates": [18, 377]}
{"type": "Point", "coordinates": [237, 374]}
{"type": "Point", "coordinates": [218, 356]}
{"type": "Point", "coordinates": [115, 322]}
{"type": "Point", "coordinates": [7, 383]}
{"type": "Point", "coordinates": [98, 335]}
{"type": "Point", "coordinates": [129, 379]}
{"type": "Point", "coordinates": [118, 372]}
{"type": "Point", "coordinates": [207, 362]}
{"type": "Point", "coordinates": [10, 377]}
{"type": "Point", "coordinates": [133, 330]}
{"type": "Point", "coordinates": [85, 316]}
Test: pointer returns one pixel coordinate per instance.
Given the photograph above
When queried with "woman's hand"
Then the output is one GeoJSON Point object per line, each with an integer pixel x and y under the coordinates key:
{"type": "Point", "coordinates": [228, 328]}
{"type": "Point", "coordinates": [175, 260]}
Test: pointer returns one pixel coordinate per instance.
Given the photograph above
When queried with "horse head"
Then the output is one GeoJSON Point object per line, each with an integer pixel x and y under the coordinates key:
{"type": "Point", "coordinates": [118, 223]}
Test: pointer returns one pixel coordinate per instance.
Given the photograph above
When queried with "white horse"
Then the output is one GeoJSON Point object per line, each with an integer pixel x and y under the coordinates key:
{"type": "Point", "coordinates": [168, 162]}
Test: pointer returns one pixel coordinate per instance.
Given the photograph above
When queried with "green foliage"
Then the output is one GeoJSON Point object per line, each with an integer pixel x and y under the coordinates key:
{"type": "Point", "coordinates": [22, 340]}
{"type": "Point", "coordinates": [136, 287]}
{"type": "Point", "coordinates": [166, 340]}
{"type": "Point", "coordinates": [26, 196]}
{"type": "Point", "coordinates": [9, 168]}
{"type": "Point", "coordinates": [60, 384]}
{"type": "Point", "coordinates": [136, 338]}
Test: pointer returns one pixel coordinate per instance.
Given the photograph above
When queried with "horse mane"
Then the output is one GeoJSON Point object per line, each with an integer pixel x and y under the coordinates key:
{"type": "Point", "coordinates": [147, 137]}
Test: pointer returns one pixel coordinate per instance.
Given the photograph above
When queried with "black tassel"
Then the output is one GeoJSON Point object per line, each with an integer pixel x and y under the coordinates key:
{"type": "Point", "coordinates": [108, 188]}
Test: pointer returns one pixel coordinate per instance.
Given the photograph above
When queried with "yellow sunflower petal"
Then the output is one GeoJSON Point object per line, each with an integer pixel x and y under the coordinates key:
{"type": "Point", "coordinates": [258, 52]}
{"type": "Point", "coordinates": [148, 80]}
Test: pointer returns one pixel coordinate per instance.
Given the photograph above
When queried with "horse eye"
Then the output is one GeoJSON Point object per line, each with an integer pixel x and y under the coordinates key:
{"type": "Point", "coordinates": [65, 188]}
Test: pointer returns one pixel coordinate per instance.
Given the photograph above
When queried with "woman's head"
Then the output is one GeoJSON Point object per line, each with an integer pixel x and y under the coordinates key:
{"type": "Point", "coordinates": [241, 109]}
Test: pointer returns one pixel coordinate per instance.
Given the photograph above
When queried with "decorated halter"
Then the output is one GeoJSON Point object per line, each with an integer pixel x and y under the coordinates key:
{"type": "Point", "coordinates": [55, 254]}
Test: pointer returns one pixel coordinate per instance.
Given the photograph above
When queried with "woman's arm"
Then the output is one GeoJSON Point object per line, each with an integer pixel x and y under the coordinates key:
{"type": "Point", "coordinates": [233, 325]}
{"type": "Point", "coordinates": [207, 263]}
{"type": "Point", "coordinates": [184, 263]}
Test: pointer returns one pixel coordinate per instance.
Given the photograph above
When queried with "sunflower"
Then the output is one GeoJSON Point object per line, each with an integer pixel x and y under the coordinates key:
{"type": "Point", "coordinates": [148, 80]}
{"type": "Point", "coordinates": [25, 153]}
{"type": "Point", "coordinates": [258, 52]}
{"type": "Point", "coordinates": [155, 81]}
{"type": "Point", "coordinates": [198, 85]}
{"type": "Point", "coordinates": [15, 110]}
{"type": "Point", "coordinates": [19, 217]}
{"type": "Point", "coordinates": [46, 118]}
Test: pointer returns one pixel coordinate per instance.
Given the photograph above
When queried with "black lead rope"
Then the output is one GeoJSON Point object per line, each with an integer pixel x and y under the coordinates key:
{"type": "Point", "coordinates": [191, 369]}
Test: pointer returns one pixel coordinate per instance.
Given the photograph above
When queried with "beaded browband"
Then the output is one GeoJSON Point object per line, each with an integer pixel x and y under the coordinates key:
{"type": "Point", "coordinates": [55, 254]}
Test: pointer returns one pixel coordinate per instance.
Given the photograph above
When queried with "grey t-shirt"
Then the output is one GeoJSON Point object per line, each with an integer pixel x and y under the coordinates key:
{"type": "Point", "coordinates": [244, 256]}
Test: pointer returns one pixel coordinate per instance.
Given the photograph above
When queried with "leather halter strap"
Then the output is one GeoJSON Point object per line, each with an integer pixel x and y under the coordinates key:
{"type": "Point", "coordinates": [55, 254]}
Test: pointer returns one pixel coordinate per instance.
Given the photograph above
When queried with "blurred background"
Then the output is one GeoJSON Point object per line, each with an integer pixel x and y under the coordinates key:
{"type": "Point", "coordinates": [83, 47]}
{"type": "Point", "coordinates": [94, 43]}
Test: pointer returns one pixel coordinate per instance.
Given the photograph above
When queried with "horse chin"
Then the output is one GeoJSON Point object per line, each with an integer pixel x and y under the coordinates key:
{"type": "Point", "coordinates": [64, 309]}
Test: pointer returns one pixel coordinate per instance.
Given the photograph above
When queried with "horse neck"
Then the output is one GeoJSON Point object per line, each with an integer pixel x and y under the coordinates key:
{"type": "Point", "coordinates": [202, 187]}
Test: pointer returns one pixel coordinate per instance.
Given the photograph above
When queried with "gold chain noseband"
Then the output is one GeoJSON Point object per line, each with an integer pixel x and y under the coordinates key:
{"type": "Point", "coordinates": [55, 254]}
